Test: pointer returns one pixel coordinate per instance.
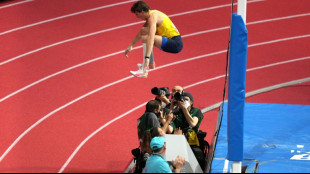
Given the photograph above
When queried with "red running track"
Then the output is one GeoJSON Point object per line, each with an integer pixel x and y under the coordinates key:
{"type": "Point", "coordinates": [68, 102]}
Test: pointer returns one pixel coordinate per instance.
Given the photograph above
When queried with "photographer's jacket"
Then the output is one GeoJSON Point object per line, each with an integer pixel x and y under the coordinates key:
{"type": "Point", "coordinates": [146, 122]}
{"type": "Point", "coordinates": [181, 122]}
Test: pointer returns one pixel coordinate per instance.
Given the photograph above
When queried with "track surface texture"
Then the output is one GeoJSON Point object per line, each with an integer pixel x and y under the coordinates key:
{"type": "Point", "coordinates": [68, 102]}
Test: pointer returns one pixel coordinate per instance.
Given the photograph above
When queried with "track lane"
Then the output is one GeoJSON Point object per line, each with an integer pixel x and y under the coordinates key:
{"type": "Point", "coordinates": [48, 10]}
{"type": "Point", "coordinates": [50, 97]}
{"type": "Point", "coordinates": [64, 53]}
{"type": "Point", "coordinates": [97, 159]}
{"type": "Point", "coordinates": [77, 117]}
{"type": "Point", "coordinates": [61, 95]}
{"type": "Point", "coordinates": [71, 8]}
{"type": "Point", "coordinates": [297, 94]}
{"type": "Point", "coordinates": [21, 43]}
{"type": "Point", "coordinates": [51, 33]}
{"type": "Point", "coordinates": [97, 50]}
{"type": "Point", "coordinates": [4, 5]}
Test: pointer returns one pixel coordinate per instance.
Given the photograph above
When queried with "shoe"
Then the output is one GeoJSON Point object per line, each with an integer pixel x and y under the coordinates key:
{"type": "Point", "coordinates": [139, 73]}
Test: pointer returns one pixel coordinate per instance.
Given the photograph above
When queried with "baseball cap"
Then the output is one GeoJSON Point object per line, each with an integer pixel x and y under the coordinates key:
{"type": "Point", "coordinates": [189, 95]}
{"type": "Point", "coordinates": [157, 143]}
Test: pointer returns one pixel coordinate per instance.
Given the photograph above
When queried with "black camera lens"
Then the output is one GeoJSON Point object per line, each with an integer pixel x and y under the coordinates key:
{"type": "Point", "coordinates": [155, 91]}
{"type": "Point", "coordinates": [178, 97]}
{"type": "Point", "coordinates": [161, 91]}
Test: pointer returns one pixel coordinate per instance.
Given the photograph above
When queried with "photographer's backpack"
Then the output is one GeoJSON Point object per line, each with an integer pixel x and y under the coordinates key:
{"type": "Point", "coordinates": [139, 160]}
{"type": "Point", "coordinates": [202, 150]}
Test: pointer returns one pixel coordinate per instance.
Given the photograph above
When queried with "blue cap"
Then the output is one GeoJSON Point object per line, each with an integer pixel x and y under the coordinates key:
{"type": "Point", "coordinates": [157, 143]}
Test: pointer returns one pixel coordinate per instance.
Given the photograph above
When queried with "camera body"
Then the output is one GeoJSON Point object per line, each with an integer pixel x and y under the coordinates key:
{"type": "Point", "coordinates": [174, 111]}
{"type": "Point", "coordinates": [177, 97]}
{"type": "Point", "coordinates": [161, 91]}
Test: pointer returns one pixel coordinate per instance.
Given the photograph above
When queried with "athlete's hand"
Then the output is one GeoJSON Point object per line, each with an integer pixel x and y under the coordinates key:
{"type": "Point", "coordinates": [128, 50]}
{"type": "Point", "coordinates": [146, 64]}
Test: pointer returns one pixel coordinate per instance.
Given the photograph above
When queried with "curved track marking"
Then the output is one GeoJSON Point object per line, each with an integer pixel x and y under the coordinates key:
{"type": "Point", "coordinates": [110, 29]}
{"type": "Point", "coordinates": [55, 111]}
{"type": "Point", "coordinates": [141, 105]}
{"type": "Point", "coordinates": [66, 41]}
{"type": "Point", "coordinates": [262, 90]}
{"type": "Point", "coordinates": [116, 82]}
{"type": "Point", "coordinates": [121, 52]}
{"type": "Point", "coordinates": [17, 3]}
{"type": "Point", "coordinates": [65, 16]}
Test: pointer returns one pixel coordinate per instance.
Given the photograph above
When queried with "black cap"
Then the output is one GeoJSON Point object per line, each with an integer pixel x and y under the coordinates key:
{"type": "Point", "coordinates": [189, 95]}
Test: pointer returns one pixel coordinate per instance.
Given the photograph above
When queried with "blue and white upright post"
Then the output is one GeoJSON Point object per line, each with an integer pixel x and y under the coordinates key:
{"type": "Point", "coordinates": [236, 88]}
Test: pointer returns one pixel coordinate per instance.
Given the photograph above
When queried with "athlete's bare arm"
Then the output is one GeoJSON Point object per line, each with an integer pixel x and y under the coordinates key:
{"type": "Point", "coordinates": [135, 40]}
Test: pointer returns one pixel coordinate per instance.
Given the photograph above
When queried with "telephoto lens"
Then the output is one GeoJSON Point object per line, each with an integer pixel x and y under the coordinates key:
{"type": "Point", "coordinates": [178, 97]}
{"type": "Point", "coordinates": [161, 91]}
{"type": "Point", "coordinates": [155, 91]}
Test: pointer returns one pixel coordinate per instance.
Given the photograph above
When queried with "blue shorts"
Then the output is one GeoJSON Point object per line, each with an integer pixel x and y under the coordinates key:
{"type": "Point", "coordinates": [173, 45]}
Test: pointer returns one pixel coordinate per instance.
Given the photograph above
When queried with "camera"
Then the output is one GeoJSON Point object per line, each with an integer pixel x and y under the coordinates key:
{"type": "Point", "coordinates": [167, 111]}
{"type": "Point", "coordinates": [161, 91]}
{"type": "Point", "coordinates": [178, 96]}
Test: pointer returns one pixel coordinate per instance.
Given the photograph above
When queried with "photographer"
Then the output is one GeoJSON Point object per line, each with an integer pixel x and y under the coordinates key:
{"type": "Point", "coordinates": [188, 120]}
{"type": "Point", "coordinates": [176, 89]}
{"type": "Point", "coordinates": [153, 117]}
{"type": "Point", "coordinates": [173, 103]}
{"type": "Point", "coordinates": [189, 116]}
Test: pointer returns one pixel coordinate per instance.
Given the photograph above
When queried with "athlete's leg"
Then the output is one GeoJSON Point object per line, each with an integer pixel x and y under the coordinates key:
{"type": "Point", "coordinates": [144, 31]}
{"type": "Point", "coordinates": [141, 72]}
{"type": "Point", "coordinates": [152, 62]}
{"type": "Point", "coordinates": [157, 43]}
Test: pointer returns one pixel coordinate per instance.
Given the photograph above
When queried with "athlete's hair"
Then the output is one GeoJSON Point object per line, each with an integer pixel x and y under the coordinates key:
{"type": "Point", "coordinates": [139, 7]}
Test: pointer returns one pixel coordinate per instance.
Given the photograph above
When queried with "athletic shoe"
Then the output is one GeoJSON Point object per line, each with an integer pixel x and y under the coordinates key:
{"type": "Point", "coordinates": [139, 73]}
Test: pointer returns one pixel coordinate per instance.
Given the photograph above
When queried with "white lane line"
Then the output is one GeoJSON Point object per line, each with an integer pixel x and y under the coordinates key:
{"type": "Point", "coordinates": [14, 4]}
{"type": "Point", "coordinates": [95, 132]}
{"type": "Point", "coordinates": [103, 87]}
{"type": "Point", "coordinates": [120, 52]}
{"type": "Point", "coordinates": [103, 31]}
{"type": "Point", "coordinates": [65, 16]}
{"type": "Point", "coordinates": [128, 112]}
{"type": "Point", "coordinates": [259, 91]}
{"type": "Point", "coordinates": [56, 110]}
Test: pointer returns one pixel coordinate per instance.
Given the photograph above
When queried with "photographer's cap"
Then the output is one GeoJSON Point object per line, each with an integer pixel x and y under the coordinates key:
{"type": "Point", "coordinates": [189, 95]}
{"type": "Point", "coordinates": [157, 143]}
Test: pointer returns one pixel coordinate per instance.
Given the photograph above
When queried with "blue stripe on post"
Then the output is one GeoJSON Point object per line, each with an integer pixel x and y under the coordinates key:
{"type": "Point", "coordinates": [236, 88]}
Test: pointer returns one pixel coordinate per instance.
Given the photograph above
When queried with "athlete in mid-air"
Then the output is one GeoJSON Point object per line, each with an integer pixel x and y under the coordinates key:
{"type": "Point", "coordinates": [158, 31]}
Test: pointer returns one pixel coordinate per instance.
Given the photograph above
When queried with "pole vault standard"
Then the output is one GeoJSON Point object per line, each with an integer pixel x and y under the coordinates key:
{"type": "Point", "coordinates": [236, 87]}
{"type": "Point", "coordinates": [242, 9]}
